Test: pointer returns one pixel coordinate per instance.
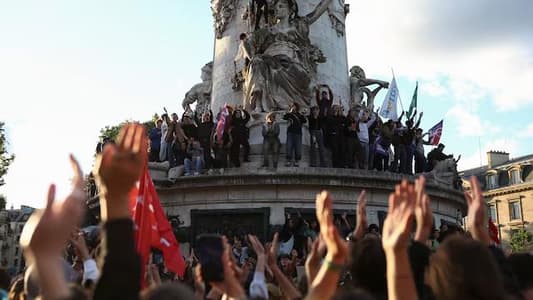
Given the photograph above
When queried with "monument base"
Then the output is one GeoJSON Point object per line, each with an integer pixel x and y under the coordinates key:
{"type": "Point", "coordinates": [257, 199]}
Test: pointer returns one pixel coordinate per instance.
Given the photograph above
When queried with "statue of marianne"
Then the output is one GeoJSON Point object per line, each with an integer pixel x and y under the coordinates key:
{"type": "Point", "coordinates": [284, 60]}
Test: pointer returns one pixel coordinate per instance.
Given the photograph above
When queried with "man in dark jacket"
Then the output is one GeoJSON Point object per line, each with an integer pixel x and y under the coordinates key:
{"type": "Point", "coordinates": [295, 122]}
{"type": "Point", "coordinates": [155, 141]}
{"type": "Point", "coordinates": [335, 123]}
{"type": "Point", "coordinates": [316, 137]}
{"type": "Point", "coordinates": [239, 133]}
{"type": "Point", "coordinates": [205, 133]}
{"type": "Point", "coordinates": [436, 155]}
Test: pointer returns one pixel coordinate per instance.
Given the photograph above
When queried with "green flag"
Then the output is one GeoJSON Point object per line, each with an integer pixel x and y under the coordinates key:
{"type": "Point", "coordinates": [413, 105]}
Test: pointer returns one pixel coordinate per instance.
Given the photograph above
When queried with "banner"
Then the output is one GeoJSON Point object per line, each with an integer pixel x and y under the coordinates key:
{"type": "Point", "coordinates": [414, 103]}
{"type": "Point", "coordinates": [435, 133]}
{"type": "Point", "coordinates": [152, 229]}
{"type": "Point", "coordinates": [389, 108]}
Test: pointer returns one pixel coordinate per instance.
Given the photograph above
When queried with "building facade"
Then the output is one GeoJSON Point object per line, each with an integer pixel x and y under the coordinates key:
{"type": "Point", "coordinates": [11, 224]}
{"type": "Point", "coordinates": [508, 190]}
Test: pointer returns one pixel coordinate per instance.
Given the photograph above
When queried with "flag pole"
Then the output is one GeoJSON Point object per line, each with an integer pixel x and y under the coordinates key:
{"type": "Point", "coordinates": [399, 95]}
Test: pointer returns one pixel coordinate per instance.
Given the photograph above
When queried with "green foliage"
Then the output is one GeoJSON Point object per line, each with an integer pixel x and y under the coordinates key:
{"type": "Point", "coordinates": [521, 240]}
{"type": "Point", "coordinates": [5, 158]}
{"type": "Point", "coordinates": [3, 202]}
{"type": "Point", "coordinates": [112, 131]}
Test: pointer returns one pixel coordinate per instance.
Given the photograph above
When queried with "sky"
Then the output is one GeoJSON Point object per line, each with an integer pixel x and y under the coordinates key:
{"type": "Point", "coordinates": [69, 68]}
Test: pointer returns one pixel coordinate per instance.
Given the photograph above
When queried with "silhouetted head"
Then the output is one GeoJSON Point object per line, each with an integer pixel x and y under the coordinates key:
{"type": "Point", "coordinates": [463, 268]}
{"type": "Point", "coordinates": [368, 265]}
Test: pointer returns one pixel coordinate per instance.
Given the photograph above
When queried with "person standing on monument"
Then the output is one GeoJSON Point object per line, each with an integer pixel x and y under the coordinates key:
{"type": "Point", "coordinates": [364, 139]}
{"type": "Point", "coordinates": [295, 122]}
{"type": "Point", "coordinates": [189, 127]}
{"type": "Point", "coordinates": [324, 100]}
{"type": "Point", "coordinates": [178, 143]}
{"type": "Point", "coordinates": [239, 134]}
{"type": "Point", "coordinates": [335, 124]}
{"type": "Point", "coordinates": [260, 9]}
{"type": "Point", "coordinates": [163, 152]}
{"type": "Point", "coordinates": [155, 141]}
{"type": "Point", "coordinates": [399, 150]}
{"type": "Point", "coordinates": [408, 141]}
{"type": "Point", "coordinates": [420, 158]}
{"type": "Point", "coordinates": [205, 133]}
{"type": "Point", "coordinates": [351, 139]}
{"type": "Point", "coordinates": [382, 146]}
{"type": "Point", "coordinates": [271, 143]}
{"type": "Point", "coordinates": [316, 137]}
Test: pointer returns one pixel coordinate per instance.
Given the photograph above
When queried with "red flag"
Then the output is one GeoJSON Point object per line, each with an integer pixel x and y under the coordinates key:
{"type": "Point", "coordinates": [493, 232]}
{"type": "Point", "coordinates": [435, 133]}
{"type": "Point", "coordinates": [152, 229]}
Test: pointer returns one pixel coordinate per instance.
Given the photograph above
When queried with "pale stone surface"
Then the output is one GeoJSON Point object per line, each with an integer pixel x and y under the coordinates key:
{"type": "Point", "coordinates": [175, 172]}
{"type": "Point", "coordinates": [334, 72]}
{"type": "Point", "coordinates": [295, 188]}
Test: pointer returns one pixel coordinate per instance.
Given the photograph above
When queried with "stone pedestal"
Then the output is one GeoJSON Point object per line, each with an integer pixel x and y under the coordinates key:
{"type": "Point", "coordinates": [272, 194]}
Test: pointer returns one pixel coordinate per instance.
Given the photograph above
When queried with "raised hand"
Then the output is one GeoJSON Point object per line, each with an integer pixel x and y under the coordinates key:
{"type": "Point", "coordinates": [231, 285]}
{"type": "Point", "coordinates": [325, 282]}
{"type": "Point", "coordinates": [47, 232]}
{"type": "Point", "coordinates": [260, 252]}
{"type": "Point", "coordinates": [476, 213]}
{"type": "Point", "coordinates": [423, 214]}
{"type": "Point", "coordinates": [399, 218]}
{"type": "Point", "coordinates": [314, 258]}
{"type": "Point", "coordinates": [337, 248]}
{"type": "Point", "coordinates": [118, 168]}
{"type": "Point", "coordinates": [400, 282]}
{"type": "Point", "coordinates": [78, 241]}
{"type": "Point", "coordinates": [272, 255]}
{"type": "Point", "coordinates": [361, 221]}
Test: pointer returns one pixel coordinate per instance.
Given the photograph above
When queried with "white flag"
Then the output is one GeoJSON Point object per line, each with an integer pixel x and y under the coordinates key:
{"type": "Point", "coordinates": [389, 108]}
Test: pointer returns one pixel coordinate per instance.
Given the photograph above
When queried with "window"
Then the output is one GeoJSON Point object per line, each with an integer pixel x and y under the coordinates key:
{"type": "Point", "coordinates": [515, 210]}
{"type": "Point", "coordinates": [492, 180]}
{"type": "Point", "coordinates": [515, 176]}
{"type": "Point", "coordinates": [492, 213]}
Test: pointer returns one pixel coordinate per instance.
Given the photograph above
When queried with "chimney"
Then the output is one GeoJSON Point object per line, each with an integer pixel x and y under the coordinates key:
{"type": "Point", "coordinates": [495, 158]}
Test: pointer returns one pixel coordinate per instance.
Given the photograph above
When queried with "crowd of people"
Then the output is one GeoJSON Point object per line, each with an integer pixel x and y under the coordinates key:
{"type": "Point", "coordinates": [327, 259]}
{"type": "Point", "coordinates": [359, 139]}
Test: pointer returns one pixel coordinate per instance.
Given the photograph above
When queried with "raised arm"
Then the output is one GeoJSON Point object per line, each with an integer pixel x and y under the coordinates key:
{"type": "Point", "coordinates": [419, 120]}
{"type": "Point", "coordinates": [117, 170]}
{"type": "Point", "coordinates": [400, 281]}
{"type": "Point", "coordinates": [46, 233]}
{"type": "Point", "coordinates": [324, 285]}
{"type": "Point", "coordinates": [321, 8]}
{"type": "Point", "coordinates": [289, 290]}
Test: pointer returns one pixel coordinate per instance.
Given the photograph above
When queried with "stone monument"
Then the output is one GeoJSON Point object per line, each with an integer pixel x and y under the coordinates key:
{"type": "Point", "coordinates": [267, 55]}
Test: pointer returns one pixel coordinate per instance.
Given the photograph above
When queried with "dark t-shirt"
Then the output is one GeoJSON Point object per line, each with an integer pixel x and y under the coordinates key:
{"type": "Point", "coordinates": [295, 122]}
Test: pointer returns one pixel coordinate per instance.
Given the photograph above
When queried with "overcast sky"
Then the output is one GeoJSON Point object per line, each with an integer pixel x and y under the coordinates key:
{"type": "Point", "coordinates": [68, 68]}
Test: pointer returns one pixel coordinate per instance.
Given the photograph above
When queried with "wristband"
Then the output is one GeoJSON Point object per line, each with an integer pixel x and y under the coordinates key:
{"type": "Point", "coordinates": [333, 266]}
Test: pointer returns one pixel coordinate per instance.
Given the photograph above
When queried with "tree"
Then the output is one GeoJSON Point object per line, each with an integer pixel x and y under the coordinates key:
{"type": "Point", "coordinates": [521, 240]}
{"type": "Point", "coordinates": [5, 158]}
{"type": "Point", "coordinates": [112, 131]}
{"type": "Point", "coordinates": [3, 202]}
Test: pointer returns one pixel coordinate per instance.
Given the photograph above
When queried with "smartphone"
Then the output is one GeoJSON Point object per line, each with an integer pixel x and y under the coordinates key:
{"type": "Point", "coordinates": [208, 250]}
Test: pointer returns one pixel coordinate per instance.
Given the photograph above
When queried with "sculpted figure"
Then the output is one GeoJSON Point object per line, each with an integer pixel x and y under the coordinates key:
{"type": "Point", "coordinates": [445, 172]}
{"type": "Point", "coordinates": [284, 61]}
{"type": "Point", "coordinates": [337, 11]}
{"type": "Point", "coordinates": [201, 92]}
{"type": "Point", "coordinates": [223, 11]}
{"type": "Point", "coordinates": [359, 88]}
